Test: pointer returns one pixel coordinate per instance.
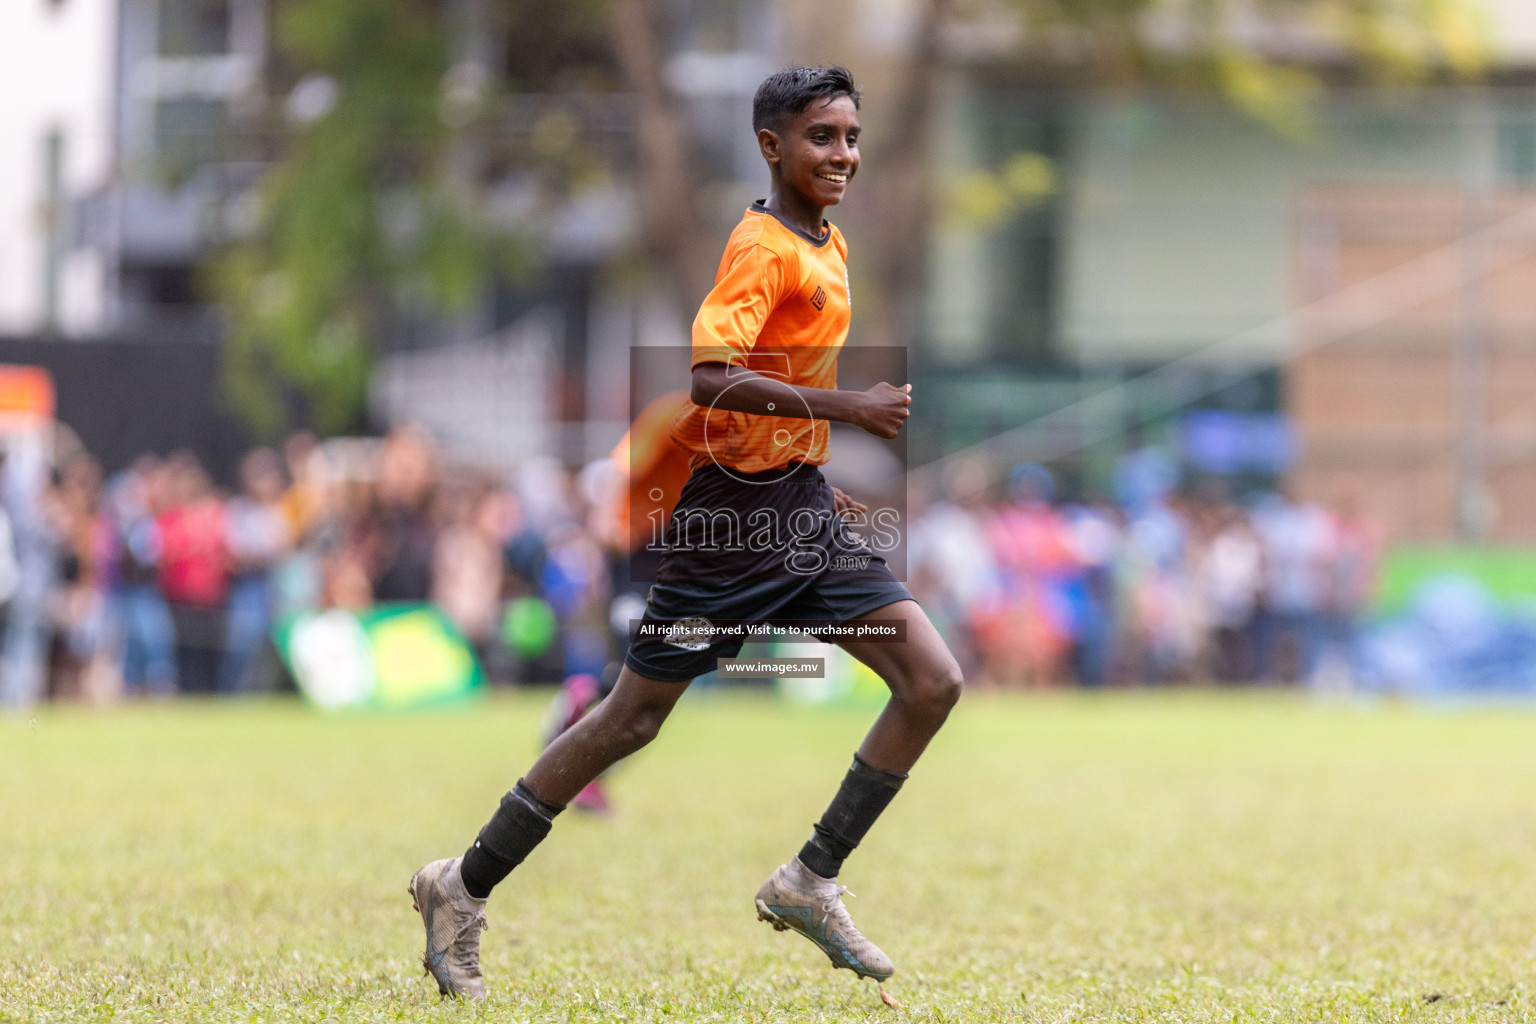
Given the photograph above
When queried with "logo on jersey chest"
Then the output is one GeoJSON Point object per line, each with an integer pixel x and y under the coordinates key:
{"type": "Point", "coordinates": [819, 298]}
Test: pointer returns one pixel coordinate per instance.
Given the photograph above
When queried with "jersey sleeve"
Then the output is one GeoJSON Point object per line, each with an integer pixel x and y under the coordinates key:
{"type": "Point", "coordinates": [733, 314]}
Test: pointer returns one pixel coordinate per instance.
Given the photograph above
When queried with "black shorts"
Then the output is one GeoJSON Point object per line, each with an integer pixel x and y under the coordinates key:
{"type": "Point", "coordinates": [756, 548]}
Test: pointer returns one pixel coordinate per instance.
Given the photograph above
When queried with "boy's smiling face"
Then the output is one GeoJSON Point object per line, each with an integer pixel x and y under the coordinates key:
{"type": "Point", "coordinates": [818, 152]}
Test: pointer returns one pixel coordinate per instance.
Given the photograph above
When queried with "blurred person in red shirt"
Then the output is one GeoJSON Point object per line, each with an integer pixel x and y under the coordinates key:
{"type": "Point", "coordinates": [954, 574]}
{"type": "Point", "coordinates": [194, 573]}
{"type": "Point", "coordinates": [1026, 632]}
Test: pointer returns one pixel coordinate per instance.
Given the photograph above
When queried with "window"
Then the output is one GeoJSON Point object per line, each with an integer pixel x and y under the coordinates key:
{"type": "Point", "coordinates": [53, 225]}
{"type": "Point", "coordinates": [193, 28]}
{"type": "Point", "coordinates": [189, 132]}
{"type": "Point", "coordinates": [999, 305]}
{"type": "Point", "coordinates": [1517, 149]}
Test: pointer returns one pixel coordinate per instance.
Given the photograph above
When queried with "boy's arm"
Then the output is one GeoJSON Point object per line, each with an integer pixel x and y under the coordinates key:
{"type": "Point", "coordinates": [881, 410]}
{"type": "Point", "coordinates": [726, 331]}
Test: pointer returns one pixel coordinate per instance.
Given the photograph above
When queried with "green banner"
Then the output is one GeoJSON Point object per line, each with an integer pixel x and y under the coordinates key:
{"type": "Point", "coordinates": [390, 657]}
{"type": "Point", "coordinates": [1507, 573]}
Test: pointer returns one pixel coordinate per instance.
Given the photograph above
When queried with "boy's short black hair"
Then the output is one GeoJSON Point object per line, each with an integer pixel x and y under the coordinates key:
{"type": "Point", "coordinates": [785, 93]}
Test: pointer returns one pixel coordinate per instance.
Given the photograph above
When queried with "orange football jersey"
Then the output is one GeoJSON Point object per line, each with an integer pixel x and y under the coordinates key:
{"type": "Point", "coordinates": [780, 307]}
{"type": "Point", "coordinates": [654, 470]}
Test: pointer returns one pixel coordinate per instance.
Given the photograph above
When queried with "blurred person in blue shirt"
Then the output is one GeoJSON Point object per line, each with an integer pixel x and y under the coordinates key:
{"type": "Point", "coordinates": [1098, 540]}
{"type": "Point", "coordinates": [1231, 569]}
{"type": "Point", "coordinates": [1296, 539]}
{"type": "Point", "coordinates": [256, 537]}
{"type": "Point", "coordinates": [140, 616]}
{"type": "Point", "coordinates": [28, 500]}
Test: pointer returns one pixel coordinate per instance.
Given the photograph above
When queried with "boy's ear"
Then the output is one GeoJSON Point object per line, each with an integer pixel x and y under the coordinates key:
{"type": "Point", "coordinates": [768, 143]}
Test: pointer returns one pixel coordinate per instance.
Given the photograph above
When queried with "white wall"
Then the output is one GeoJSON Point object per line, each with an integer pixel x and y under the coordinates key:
{"type": "Point", "coordinates": [1512, 24]}
{"type": "Point", "coordinates": [1181, 218]}
{"type": "Point", "coordinates": [57, 62]}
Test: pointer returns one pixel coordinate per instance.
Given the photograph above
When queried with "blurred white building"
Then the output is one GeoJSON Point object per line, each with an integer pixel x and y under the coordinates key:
{"type": "Point", "coordinates": [56, 77]}
{"type": "Point", "coordinates": [118, 162]}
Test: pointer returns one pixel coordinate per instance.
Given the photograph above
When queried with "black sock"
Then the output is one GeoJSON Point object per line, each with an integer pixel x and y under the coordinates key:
{"type": "Point", "coordinates": [519, 824]}
{"type": "Point", "coordinates": [865, 792]}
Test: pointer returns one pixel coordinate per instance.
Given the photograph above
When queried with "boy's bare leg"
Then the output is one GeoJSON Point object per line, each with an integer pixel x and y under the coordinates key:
{"type": "Point", "coordinates": [803, 894]}
{"type": "Point", "coordinates": [924, 680]}
{"type": "Point", "coordinates": [626, 720]}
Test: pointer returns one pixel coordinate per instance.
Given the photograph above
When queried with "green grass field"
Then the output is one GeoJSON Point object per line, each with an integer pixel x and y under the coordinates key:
{"type": "Point", "coordinates": [1175, 856]}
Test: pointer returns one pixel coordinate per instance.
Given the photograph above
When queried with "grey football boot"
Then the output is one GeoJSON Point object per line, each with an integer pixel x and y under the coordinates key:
{"type": "Point", "coordinates": [797, 898]}
{"type": "Point", "coordinates": [454, 921]}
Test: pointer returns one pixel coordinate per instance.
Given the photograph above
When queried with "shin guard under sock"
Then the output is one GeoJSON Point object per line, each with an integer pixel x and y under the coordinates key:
{"type": "Point", "coordinates": [519, 824]}
{"type": "Point", "coordinates": [865, 792]}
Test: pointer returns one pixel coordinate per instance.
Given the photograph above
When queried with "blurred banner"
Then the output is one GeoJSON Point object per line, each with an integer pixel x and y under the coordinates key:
{"type": "Point", "coordinates": [844, 683]}
{"type": "Point", "coordinates": [387, 658]}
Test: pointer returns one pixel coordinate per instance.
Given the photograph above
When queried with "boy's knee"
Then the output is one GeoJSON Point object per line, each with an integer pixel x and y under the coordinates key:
{"type": "Point", "coordinates": [946, 687]}
{"type": "Point", "coordinates": [937, 690]}
{"type": "Point", "coordinates": [641, 725]}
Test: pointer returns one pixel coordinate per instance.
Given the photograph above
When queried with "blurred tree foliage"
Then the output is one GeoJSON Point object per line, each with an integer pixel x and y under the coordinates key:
{"type": "Point", "coordinates": [357, 213]}
{"type": "Point", "coordinates": [1267, 57]}
{"type": "Point", "coordinates": [390, 126]}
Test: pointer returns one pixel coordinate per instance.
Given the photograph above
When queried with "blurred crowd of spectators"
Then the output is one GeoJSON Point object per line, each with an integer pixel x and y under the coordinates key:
{"type": "Point", "coordinates": [157, 582]}
{"type": "Point", "coordinates": [1155, 586]}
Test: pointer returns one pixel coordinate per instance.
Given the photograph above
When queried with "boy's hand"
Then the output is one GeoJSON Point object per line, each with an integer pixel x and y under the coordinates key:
{"type": "Point", "coordinates": [846, 507]}
{"type": "Point", "coordinates": [886, 409]}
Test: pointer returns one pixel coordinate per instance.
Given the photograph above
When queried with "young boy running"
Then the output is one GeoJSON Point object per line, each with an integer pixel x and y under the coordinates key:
{"type": "Point", "coordinates": [755, 438]}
